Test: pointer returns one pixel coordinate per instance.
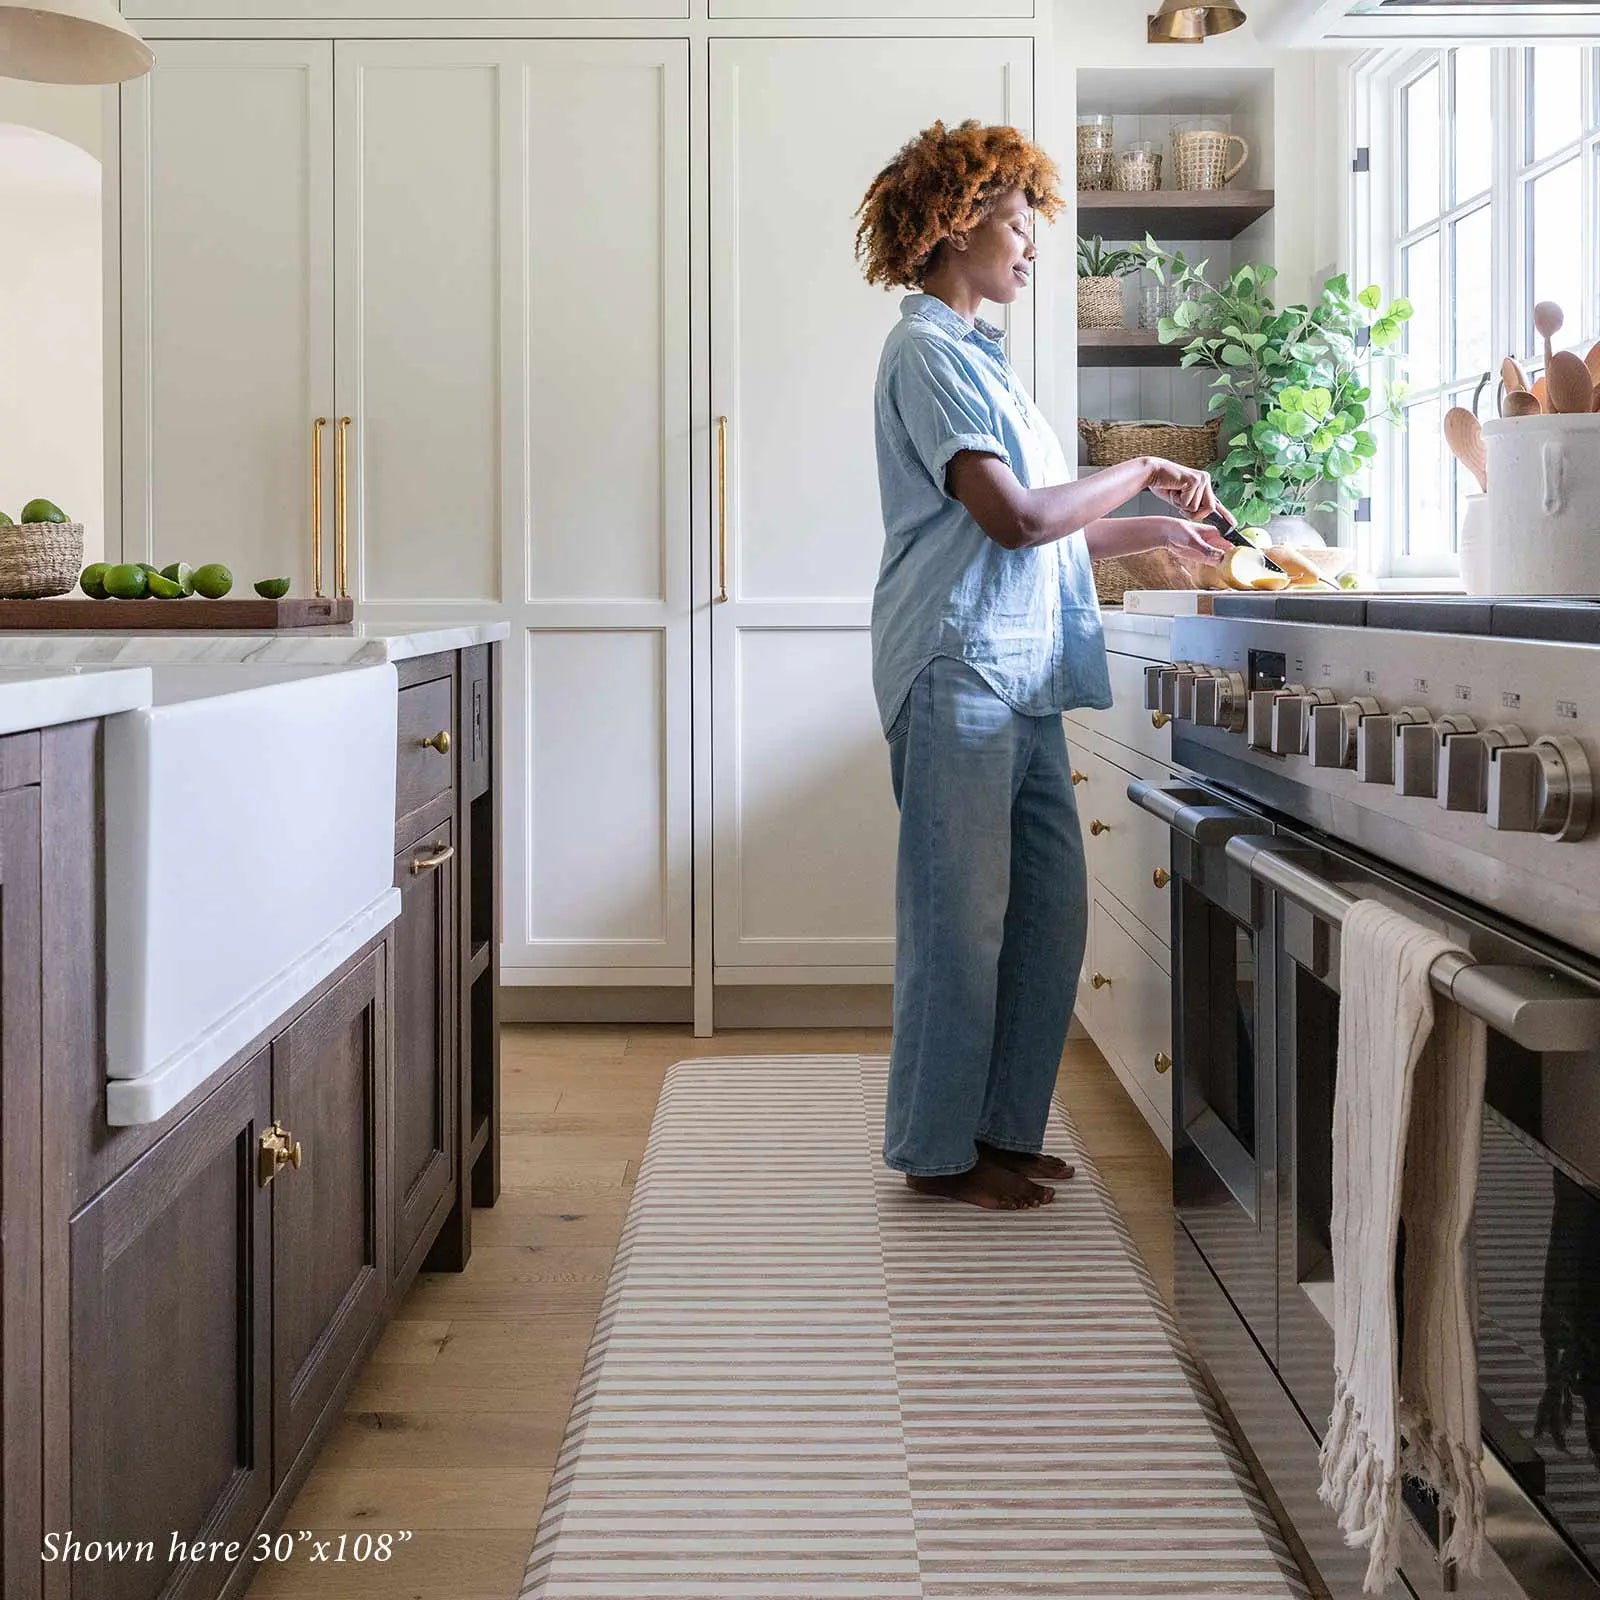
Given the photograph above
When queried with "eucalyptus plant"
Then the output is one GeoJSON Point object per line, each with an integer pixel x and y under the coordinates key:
{"type": "Point", "coordinates": [1095, 260]}
{"type": "Point", "coordinates": [1298, 387]}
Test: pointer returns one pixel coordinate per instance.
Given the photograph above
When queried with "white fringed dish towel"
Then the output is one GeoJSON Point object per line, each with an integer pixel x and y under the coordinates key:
{"type": "Point", "coordinates": [1407, 1124]}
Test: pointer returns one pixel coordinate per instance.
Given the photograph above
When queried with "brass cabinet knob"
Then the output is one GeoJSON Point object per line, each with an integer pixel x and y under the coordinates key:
{"type": "Point", "coordinates": [440, 742]}
{"type": "Point", "coordinates": [1097, 827]}
{"type": "Point", "coordinates": [432, 863]}
{"type": "Point", "coordinates": [279, 1148]}
{"type": "Point", "coordinates": [1163, 1061]}
{"type": "Point", "coordinates": [1098, 980]}
{"type": "Point", "coordinates": [1079, 777]}
{"type": "Point", "coordinates": [1161, 877]}
{"type": "Point", "coordinates": [1159, 719]}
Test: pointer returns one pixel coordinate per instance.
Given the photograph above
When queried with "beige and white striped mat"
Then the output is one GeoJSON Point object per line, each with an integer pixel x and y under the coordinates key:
{"type": "Point", "coordinates": [808, 1382]}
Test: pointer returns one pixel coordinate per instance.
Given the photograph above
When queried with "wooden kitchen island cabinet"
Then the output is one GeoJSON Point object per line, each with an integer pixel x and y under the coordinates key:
{"type": "Point", "coordinates": [184, 1305]}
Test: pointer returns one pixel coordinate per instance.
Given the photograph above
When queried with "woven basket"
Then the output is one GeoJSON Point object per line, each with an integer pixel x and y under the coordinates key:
{"type": "Point", "coordinates": [1150, 569]}
{"type": "Point", "coordinates": [40, 559]}
{"type": "Point", "coordinates": [1200, 159]}
{"type": "Point", "coordinates": [1100, 303]}
{"type": "Point", "coordinates": [1111, 442]}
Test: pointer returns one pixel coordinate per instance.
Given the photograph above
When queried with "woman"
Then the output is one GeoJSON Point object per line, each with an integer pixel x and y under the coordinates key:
{"type": "Point", "coordinates": [984, 629]}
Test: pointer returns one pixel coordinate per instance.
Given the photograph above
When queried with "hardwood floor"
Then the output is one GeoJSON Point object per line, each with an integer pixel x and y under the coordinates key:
{"type": "Point", "coordinates": [452, 1430]}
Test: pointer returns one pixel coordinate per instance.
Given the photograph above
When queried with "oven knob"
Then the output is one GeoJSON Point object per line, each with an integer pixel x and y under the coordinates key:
{"type": "Point", "coordinates": [1416, 761]}
{"type": "Point", "coordinates": [1291, 719]}
{"type": "Point", "coordinates": [1152, 688]}
{"type": "Point", "coordinates": [1258, 714]}
{"type": "Point", "coordinates": [1167, 687]}
{"type": "Point", "coordinates": [1375, 741]}
{"type": "Point", "coordinates": [1545, 787]}
{"type": "Point", "coordinates": [1183, 691]}
{"type": "Point", "coordinates": [1219, 701]}
{"type": "Point", "coordinates": [1464, 765]}
{"type": "Point", "coordinates": [1333, 731]}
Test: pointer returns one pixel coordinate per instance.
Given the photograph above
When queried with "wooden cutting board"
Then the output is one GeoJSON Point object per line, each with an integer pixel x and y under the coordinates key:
{"type": "Point", "coordinates": [82, 615]}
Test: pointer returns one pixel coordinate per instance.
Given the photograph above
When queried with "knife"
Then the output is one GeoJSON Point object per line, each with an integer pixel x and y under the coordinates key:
{"type": "Point", "coordinates": [1229, 529]}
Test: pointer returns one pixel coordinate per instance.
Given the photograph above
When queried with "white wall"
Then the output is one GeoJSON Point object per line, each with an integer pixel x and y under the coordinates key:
{"type": "Point", "coordinates": [52, 422]}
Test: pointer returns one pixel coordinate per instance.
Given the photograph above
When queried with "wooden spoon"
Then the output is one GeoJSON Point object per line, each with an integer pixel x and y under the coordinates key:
{"type": "Point", "coordinates": [1541, 392]}
{"type": "Point", "coordinates": [1592, 362]}
{"type": "Point", "coordinates": [1513, 376]}
{"type": "Point", "coordinates": [1465, 438]}
{"type": "Point", "coordinates": [1571, 387]}
{"type": "Point", "coordinates": [1548, 319]}
{"type": "Point", "coordinates": [1519, 403]}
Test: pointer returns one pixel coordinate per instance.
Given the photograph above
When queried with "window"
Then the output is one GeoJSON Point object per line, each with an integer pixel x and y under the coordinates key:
{"type": "Point", "coordinates": [1490, 204]}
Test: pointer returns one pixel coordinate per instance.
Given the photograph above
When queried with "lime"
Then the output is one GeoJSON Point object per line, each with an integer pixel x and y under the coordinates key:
{"type": "Point", "coordinates": [272, 588]}
{"type": "Point", "coordinates": [145, 567]}
{"type": "Point", "coordinates": [213, 580]}
{"type": "Point", "coordinates": [126, 581]}
{"type": "Point", "coordinates": [180, 573]}
{"type": "Point", "coordinates": [163, 588]}
{"type": "Point", "coordinates": [43, 511]}
{"type": "Point", "coordinates": [92, 582]}
{"type": "Point", "coordinates": [5, 520]}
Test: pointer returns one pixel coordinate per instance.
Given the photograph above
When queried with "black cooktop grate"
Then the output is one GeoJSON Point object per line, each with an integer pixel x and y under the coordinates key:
{"type": "Point", "coordinates": [1562, 619]}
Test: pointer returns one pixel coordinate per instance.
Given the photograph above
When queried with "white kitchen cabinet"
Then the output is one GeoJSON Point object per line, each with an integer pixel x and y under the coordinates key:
{"type": "Point", "coordinates": [805, 823]}
{"type": "Point", "coordinates": [226, 268]}
{"type": "Point", "coordinates": [508, 337]}
{"type": "Point", "coordinates": [419, 11]}
{"type": "Point", "coordinates": [513, 349]}
{"type": "Point", "coordinates": [1135, 1011]}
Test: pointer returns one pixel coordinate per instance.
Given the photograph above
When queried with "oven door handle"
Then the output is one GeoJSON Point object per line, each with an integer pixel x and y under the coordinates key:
{"type": "Point", "coordinates": [1191, 811]}
{"type": "Point", "coordinates": [1539, 1009]}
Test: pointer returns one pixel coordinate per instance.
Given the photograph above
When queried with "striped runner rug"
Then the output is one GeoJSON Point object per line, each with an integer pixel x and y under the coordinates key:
{"type": "Point", "coordinates": [808, 1382]}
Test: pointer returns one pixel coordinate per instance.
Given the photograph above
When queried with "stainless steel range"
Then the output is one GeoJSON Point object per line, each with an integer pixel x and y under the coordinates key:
{"type": "Point", "coordinates": [1434, 754]}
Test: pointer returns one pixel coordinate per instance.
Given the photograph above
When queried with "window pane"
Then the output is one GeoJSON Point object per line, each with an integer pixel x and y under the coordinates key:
{"type": "Point", "coordinates": [1422, 148]}
{"type": "Point", "coordinates": [1470, 302]}
{"type": "Point", "coordinates": [1427, 525]}
{"type": "Point", "coordinates": [1554, 98]}
{"type": "Point", "coordinates": [1472, 126]}
{"type": "Point", "coordinates": [1555, 248]}
{"type": "Point", "coordinates": [1420, 274]}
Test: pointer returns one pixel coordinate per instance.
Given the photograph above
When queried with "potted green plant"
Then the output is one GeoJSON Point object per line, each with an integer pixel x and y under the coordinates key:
{"type": "Point", "coordinates": [1298, 387]}
{"type": "Point", "coordinates": [1100, 274]}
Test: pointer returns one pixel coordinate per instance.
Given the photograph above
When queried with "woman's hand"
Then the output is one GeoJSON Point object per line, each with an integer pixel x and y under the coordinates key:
{"type": "Point", "coordinates": [1195, 542]}
{"type": "Point", "coordinates": [1187, 488]}
{"type": "Point", "coordinates": [1192, 541]}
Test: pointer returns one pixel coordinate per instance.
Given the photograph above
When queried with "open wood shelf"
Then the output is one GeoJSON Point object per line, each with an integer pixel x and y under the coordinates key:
{"type": "Point", "coordinates": [1125, 347]}
{"type": "Point", "coordinates": [1171, 213]}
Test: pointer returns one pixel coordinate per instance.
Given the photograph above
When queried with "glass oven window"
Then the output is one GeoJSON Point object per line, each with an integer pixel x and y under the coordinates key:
{"type": "Point", "coordinates": [1227, 1066]}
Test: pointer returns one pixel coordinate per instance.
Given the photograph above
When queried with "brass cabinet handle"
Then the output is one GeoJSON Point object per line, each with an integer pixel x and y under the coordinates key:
{"type": "Point", "coordinates": [1163, 1061]}
{"type": "Point", "coordinates": [341, 524]}
{"type": "Point", "coordinates": [1161, 877]}
{"type": "Point", "coordinates": [722, 509]}
{"type": "Point", "coordinates": [1097, 827]}
{"type": "Point", "coordinates": [440, 742]}
{"type": "Point", "coordinates": [421, 864]}
{"type": "Point", "coordinates": [1079, 777]}
{"type": "Point", "coordinates": [279, 1148]}
{"type": "Point", "coordinates": [1098, 980]}
{"type": "Point", "coordinates": [316, 502]}
{"type": "Point", "coordinates": [1159, 719]}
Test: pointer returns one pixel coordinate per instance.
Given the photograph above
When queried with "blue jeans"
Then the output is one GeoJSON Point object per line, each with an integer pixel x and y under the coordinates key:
{"type": "Point", "coordinates": [990, 920]}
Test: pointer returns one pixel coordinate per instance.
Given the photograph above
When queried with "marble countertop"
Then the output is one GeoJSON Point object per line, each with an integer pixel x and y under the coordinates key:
{"type": "Point", "coordinates": [346, 644]}
{"type": "Point", "coordinates": [34, 698]}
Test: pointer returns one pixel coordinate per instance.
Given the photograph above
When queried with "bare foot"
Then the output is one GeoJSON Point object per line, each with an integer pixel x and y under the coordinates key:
{"type": "Point", "coordinates": [1030, 1166]}
{"type": "Point", "coordinates": [986, 1185]}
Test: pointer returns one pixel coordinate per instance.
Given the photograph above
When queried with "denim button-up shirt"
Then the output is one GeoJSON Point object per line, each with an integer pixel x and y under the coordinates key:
{"type": "Point", "coordinates": [1026, 620]}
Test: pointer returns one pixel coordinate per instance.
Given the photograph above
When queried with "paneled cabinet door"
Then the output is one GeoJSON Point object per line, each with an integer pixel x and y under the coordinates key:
{"type": "Point", "coordinates": [513, 355]}
{"type": "Point", "coordinates": [805, 823]}
{"type": "Point", "coordinates": [21, 1374]}
{"type": "Point", "coordinates": [329, 1225]}
{"type": "Point", "coordinates": [423, 1143]}
{"type": "Point", "coordinates": [227, 305]}
{"type": "Point", "coordinates": [170, 1369]}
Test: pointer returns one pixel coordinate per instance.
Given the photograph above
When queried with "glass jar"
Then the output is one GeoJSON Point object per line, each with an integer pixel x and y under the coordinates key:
{"type": "Point", "coordinates": [1094, 152]}
{"type": "Point", "coordinates": [1154, 299]}
{"type": "Point", "coordinates": [1138, 167]}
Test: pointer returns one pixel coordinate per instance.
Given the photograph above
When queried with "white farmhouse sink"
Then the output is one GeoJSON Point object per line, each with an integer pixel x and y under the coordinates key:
{"type": "Point", "coordinates": [249, 851]}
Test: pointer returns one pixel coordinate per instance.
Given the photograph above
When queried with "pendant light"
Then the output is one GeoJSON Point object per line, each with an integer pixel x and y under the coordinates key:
{"type": "Point", "coordinates": [69, 41]}
{"type": "Point", "coordinates": [1184, 22]}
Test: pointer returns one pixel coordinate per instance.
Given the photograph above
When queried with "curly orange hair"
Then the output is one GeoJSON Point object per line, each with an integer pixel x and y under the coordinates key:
{"type": "Point", "coordinates": [943, 182]}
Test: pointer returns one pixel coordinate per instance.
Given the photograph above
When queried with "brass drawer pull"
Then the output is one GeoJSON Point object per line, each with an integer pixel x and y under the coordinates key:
{"type": "Point", "coordinates": [440, 742]}
{"type": "Point", "coordinates": [1079, 777]}
{"type": "Point", "coordinates": [1097, 827]}
{"type": "Point", "coordinates": [316, 503]}
{"type": "Point", "coordinates": [1163, 1061]}
{"type": "Point", "coordinates": [279, 1148]}
{"type": "Point", "coordinates": [421, 864]}
{"type": "Point", "coordinates": [1161, 877]}
{"type": "Point", "coordinates": [1159, 719]}
{"type": "Point", "coordinates": [1098, 980]}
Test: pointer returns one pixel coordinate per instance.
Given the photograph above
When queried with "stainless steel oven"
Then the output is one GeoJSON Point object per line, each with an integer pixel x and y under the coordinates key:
{"type": "Point", "coordinates": [1252, 1185]}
